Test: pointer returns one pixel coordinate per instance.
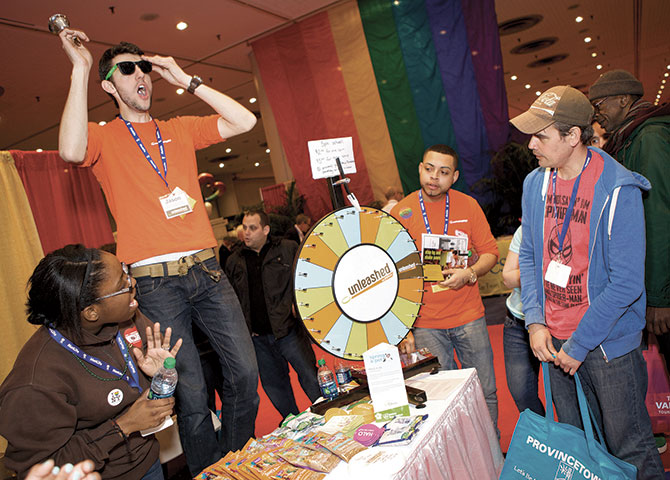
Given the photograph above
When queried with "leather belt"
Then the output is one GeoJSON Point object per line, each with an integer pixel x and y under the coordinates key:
{"type": "Point", "coordinates": [176, 267]}
{"type": "Point", "coordinates": [514, 317]}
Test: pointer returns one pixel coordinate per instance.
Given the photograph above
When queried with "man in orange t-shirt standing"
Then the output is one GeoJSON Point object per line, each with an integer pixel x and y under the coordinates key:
{"type": "Point", "coordinates": [452, 317]}
{"type": "Point", "coordinates": [148, 171]}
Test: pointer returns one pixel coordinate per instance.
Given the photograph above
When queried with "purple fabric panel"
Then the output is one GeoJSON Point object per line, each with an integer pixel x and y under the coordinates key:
{"type": "Point", "coordinates": [460, 86]}
{"type": "Point", "coordinates": [482, 28]}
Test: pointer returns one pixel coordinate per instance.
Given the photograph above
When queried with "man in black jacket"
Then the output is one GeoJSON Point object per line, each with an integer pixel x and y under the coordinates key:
{"type": "Point", "coordinates": [261, 274]}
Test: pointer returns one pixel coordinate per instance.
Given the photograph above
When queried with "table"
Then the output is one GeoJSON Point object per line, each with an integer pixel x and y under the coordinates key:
{"type": "Point", "coordinates": [457, 441]}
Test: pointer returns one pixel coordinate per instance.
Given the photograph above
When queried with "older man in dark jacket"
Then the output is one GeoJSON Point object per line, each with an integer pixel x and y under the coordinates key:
{"type": "Point", "coordinates": [261, 274]}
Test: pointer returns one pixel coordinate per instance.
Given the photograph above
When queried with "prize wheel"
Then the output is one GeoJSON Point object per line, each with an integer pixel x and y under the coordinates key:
{"type": "Point", "coordinates": [358, 281]}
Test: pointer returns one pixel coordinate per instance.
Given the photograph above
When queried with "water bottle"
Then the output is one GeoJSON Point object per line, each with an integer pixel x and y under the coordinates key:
{"type": "Point", "coordinates": [326, 381]}
{"type": "Point", "coordinates": [342, 373]}
{"type": "Point", "coordinates": [165, 380]}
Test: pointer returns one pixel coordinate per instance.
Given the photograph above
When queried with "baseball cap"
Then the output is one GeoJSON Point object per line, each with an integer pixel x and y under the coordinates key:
{"type": "Point", "coordinates": [558, 104]}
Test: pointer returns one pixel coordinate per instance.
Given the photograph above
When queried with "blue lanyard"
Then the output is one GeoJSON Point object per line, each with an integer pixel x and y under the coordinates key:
{"type": "Point", "coordinates": [102, 365]}
{"type": "Point", "coordinates": [425, 216]}
{"type": "Point", "coordinates": [571, 204]}
{"type": "Point", "coordinates": [161, 148]}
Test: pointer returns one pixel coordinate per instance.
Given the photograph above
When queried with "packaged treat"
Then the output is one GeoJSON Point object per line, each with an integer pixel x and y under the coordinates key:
{"type": "Point", "coordinates": [377, 464]}
{"type": "Point", "coordinates": [346, 424]}
{"type": "Point", "coordinates": [302, 421]}
{"type": "Point", "coordinates": [401, 430]}
{"type": "Point", "coordinates": [368, 434]}
{"type": "Point", "coordinates": [271, 467]}
{"type": "Point", "coordinates": [340, 445]}
{"type": "Point", "coordinates": [334, 412]}
{"type": "Point", "coordinates": [300, 456]}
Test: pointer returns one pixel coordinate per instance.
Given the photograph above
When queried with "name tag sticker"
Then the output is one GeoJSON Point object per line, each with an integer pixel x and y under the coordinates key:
{"type": "Point", "coordinates": [558, 274]}
{"type": "Point", "coordinates": [176, 203]}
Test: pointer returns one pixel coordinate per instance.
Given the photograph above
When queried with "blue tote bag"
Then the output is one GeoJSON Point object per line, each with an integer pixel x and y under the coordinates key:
{"type": "Point", "coordinates": [543, 449]}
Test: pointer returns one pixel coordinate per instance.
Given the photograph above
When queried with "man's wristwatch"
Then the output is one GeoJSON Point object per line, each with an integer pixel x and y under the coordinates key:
{"type": "Point", "coordinates": [196, 81]}
{"type": "Point", "coordinates": [473, 276]}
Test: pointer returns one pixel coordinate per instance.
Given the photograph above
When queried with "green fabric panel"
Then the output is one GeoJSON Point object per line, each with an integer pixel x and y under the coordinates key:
{"type": "Point", "coordinates": [394, 88]}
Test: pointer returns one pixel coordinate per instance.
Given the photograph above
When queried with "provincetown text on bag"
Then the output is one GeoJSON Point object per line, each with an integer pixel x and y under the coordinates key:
{"type": "Point", "coordinates": [543, 449]}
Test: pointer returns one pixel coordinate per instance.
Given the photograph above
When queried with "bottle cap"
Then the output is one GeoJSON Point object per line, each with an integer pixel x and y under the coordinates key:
{"type": "Point", "coordinates": [169, 362]}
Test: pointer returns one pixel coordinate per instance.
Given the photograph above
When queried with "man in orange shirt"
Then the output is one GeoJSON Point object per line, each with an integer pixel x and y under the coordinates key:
{"type": "Point", "coordinates": [452, 317]}
{"type": "Point", "coordinates": [148, 171]}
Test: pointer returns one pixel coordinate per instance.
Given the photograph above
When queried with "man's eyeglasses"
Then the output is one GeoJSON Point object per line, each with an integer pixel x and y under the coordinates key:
{"type": "Point", "coordinates": [596, 106]}
{"type": "Point", "coordinates": [128, 68]}
{"type": "Point", "coordinates": [128, 289]}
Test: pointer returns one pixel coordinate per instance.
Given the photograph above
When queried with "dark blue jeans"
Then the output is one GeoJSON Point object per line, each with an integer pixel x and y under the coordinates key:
{"type": "Point", "coordinates": [615, 391]}
{"type": "Point", "coordinates": [273, 357]}
{"type": "Point", "coordinates": [155, 472]}
{"type": "Point", "coordinates": [473, 347]}
{"type": "Point", "coordinates": [178, 301]}
{"type": "Point", "coordinates": [521, 366]}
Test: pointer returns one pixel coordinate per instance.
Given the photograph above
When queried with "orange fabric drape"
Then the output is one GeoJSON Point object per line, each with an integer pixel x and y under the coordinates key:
{"type": "Point", "coordinates": [361, 85]}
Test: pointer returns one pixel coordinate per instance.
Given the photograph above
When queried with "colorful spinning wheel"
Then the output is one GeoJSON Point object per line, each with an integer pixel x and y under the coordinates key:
{"type": "Point", "coordinates": [358, 281]}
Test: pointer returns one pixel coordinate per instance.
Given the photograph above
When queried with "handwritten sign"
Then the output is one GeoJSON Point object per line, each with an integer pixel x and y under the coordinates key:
{"type": "Point", "coordinates": [322, 155]}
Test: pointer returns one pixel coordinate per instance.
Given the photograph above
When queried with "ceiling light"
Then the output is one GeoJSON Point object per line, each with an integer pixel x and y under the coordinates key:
{"type": "Point", "coordinates": [39, 150]}
{"type": "Point", "coordinates": [666, 74]}
{"type": "Point", "coordinates": [182, 26]}
{"type": "Point", "coordinates": [598, 67]}
{"type": "Point", "coordinates": [513, 77]}
{"type": "Point", "coordinates": [527, 86]}
{"type": "Point", "coordinates": [538, 93]}
{"type": "Point", "coordinates": [228, 150]}
{"type": "Point", "coordinates": [252, 100]}
{"type": "Point", "coordinates": [660, 92]}
{"type": "Point", "coordinates": [180, 91]}
{"type": "Point", "coordinates": [668, 67]}
{"type": "Point", "coordinates": [221, 165]}
{"type": "Point", "coordinates": [579, 19]}
{"type": "Point", "coordinates": [102, 123]}
{"type": "Point", "coordinates": [662, 87]}
{"type": "Point", "coordinates": [663, 81]}
{"type": "Point", "coordinates": [267, 150]}
{"type": "Point", "coordinates": [594, 54]}
{"type": "Point", "coordinates": [256, 164]}
{"type": "Point", "coordinates": [587, 39]}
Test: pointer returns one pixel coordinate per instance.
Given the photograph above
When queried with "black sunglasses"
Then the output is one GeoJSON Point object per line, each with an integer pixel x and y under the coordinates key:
{"type": "Point", "coordinates": [128, 68]}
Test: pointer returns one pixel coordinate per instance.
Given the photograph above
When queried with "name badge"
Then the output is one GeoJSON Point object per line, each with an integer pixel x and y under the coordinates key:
{"type": "Point", "coordinates": [176, 203]}
{"type": "Point", "coordinates": [558, 274]}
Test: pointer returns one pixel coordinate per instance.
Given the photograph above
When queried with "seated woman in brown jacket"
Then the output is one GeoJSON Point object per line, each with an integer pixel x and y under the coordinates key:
{"type": "Point", "coordinates": [75, 391]}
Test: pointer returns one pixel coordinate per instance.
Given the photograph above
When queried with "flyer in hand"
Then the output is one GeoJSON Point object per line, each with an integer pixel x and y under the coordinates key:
{"type": "Point", "coordinates": [442, 251]}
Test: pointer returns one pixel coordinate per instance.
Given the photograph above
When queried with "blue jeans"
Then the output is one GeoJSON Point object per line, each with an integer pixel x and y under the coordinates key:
{"type": "Point", "coordinates": [615, 391]}
{"type": "Point", "coordinates": [273, 356]}
{"type": "Point", "coordinates": [473, 347]}
{"type": "Point", "coordinates": [155, 472]}
{"type": "Point", "coordinates": [521, 366]}
{"type": "Point", "coordinates": [178, 301]}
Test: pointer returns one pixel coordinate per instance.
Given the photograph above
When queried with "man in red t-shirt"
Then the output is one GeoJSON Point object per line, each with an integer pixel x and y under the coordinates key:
{"type": "Point", "coordinates": [148, 171]}
{"type": "Point", "coordinates": [582, 275]}
{"type": "Point", "coordinates": [452, 316]}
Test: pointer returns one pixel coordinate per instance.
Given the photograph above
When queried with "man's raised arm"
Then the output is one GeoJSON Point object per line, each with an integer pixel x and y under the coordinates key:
{"type": "Point", "coordinates": [235, 118]}
{"type": "Point", "coordinates": [73, 132]}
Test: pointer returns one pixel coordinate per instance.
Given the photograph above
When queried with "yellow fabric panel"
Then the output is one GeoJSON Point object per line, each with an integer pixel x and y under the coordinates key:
{"type": "Point", "coordinates": [21, 251]}
{"type": "Point", "coordinates": [359, 78]}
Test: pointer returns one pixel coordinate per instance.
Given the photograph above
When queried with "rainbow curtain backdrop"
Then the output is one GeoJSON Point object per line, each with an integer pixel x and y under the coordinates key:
{"type": "Point", "coordinates": [397, 76]}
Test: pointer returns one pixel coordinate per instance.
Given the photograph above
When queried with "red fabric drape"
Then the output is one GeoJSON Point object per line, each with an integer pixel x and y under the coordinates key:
{"type": "Point", "coordinates": [66, 201]}
{"type": "Point", "coordinates": [274, 196]}
{"type": "Point", "coordinates": [303, 80]}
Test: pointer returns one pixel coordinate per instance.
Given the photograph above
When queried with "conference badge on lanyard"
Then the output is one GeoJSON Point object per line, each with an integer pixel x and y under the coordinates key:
{"type": "Point", "coordinates": [558, 273]}
{"type": "Point", "coordinates": [176, 203]}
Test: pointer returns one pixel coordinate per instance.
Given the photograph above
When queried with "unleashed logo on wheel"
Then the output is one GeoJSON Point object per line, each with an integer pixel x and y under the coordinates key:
{"type": "Point", "coordinates": [369, 282]}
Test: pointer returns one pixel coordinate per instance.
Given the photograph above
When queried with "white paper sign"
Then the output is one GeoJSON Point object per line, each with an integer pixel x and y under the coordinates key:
{"type": "Point", "coordinates": [386, 383]}
{"type": "Point", "coordinates": [322, 155]}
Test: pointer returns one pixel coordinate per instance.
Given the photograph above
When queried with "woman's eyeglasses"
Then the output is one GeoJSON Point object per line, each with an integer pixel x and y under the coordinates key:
{"type": "Point", "coordinates": [128, 68]}
{"type": "Point", "coordinates": [128, 289]}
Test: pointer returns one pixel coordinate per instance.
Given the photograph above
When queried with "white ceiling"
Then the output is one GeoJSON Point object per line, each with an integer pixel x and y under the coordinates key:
{"type": "Point", "coordinates": [35, 72]}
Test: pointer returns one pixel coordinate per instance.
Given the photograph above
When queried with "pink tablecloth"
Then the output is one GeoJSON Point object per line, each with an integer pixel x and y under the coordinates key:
{"type": "Point", "coordinates": [457, 441]}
